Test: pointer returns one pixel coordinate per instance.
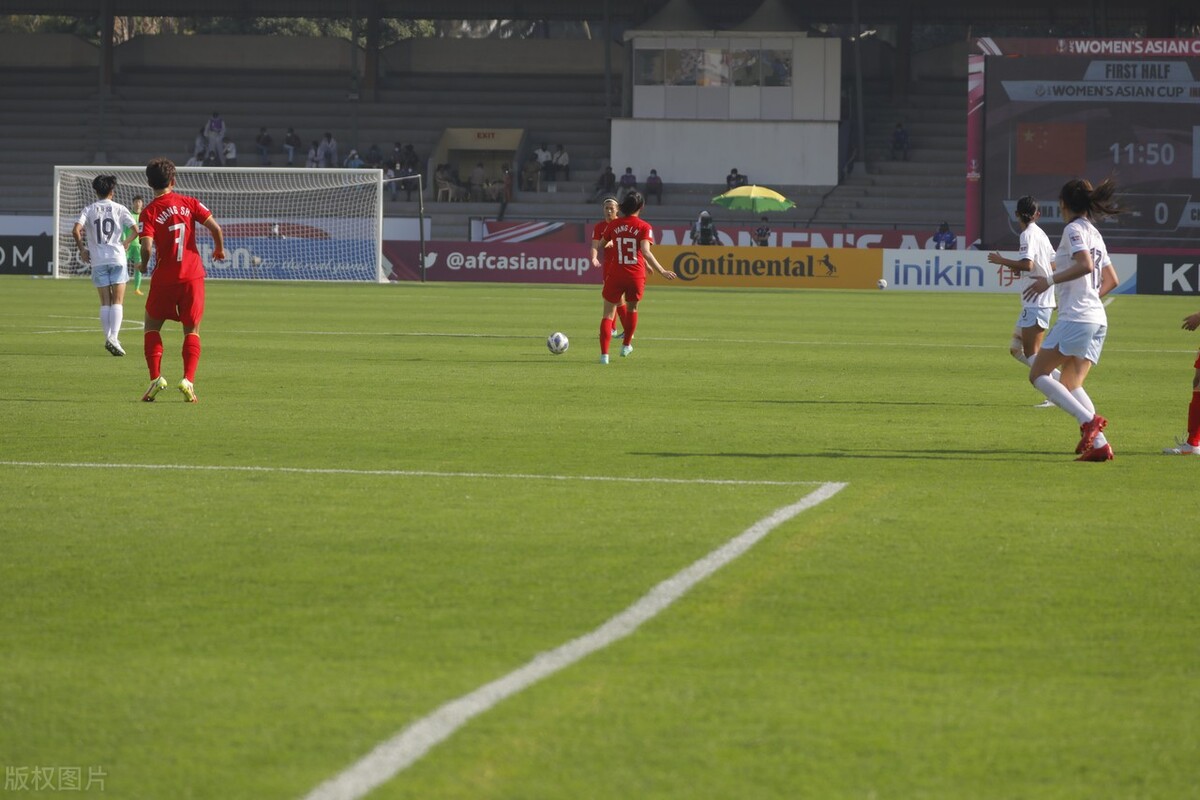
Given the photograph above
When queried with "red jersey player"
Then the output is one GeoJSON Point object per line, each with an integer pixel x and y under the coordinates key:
{"type": "Point", "coordinates": [177, 291]}
{"type": "Point", "coordinates": [609, 207]}
{"type": "Point", "coordinates": [631, 238]}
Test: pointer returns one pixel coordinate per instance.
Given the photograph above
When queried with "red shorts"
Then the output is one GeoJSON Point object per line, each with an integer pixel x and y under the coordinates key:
{"type": "Point", "coordinates": [1197, 364]}
{"type": "Point", "coordinates": [618, 284]}
{"type": "Point", "coordinates": [182, 302]}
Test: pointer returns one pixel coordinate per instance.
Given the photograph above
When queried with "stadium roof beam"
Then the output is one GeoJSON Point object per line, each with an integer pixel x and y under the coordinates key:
{"type": "Point", "coordinates": [1159, 16]}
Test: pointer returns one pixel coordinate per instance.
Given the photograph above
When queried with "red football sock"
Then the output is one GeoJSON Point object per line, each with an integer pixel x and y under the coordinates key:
{"type": "Point", "coordinates": [606, 329]}
{"type": "Point", "coordinates": [191, 355]}
{"type": "Point", "coordinates": [1194, 420]}
{"type": "Point", "coordinates": [630, 326]}
{"type": "Point", "coordinates": [623, 315]}
{"type": "Point", "coordinates": [153, 346]}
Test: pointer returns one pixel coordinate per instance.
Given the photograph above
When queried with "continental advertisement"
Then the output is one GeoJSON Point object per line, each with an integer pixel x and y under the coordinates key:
{"type": "Point", "coordinates": [772, 267]}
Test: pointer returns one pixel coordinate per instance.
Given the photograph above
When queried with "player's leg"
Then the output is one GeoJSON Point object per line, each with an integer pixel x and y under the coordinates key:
{"type": "Point", "coordinates": [1093, 446]}
{"type": "Point", "coordinates": [1193, 432]}
{"type": "Point", "coordinates": [606, 325]}
{"type": "Point", "coordinates": [116, 314]}
{"type": "Point", "coordinates": [1191, 445]}
{"type": "Point", "coordinates": [160, 306]}
{"type": "Point", "coordinates": [623, 316]}
{"type": "Point", "coordinates": [1026, 342]}
{"type": "Point", "coordinates": [633, 296]}
{"type": "Point", "coordinates": [1083, 343]}
{"type": "Point", "coordinates": [1047, 360]}
{"type": "Point", "coordinates": [101, 280]}
{"type": "Point", "coordinates": [105, 312]}
{"type": "Point", "coordinates": [152, 346]}
{"type": "Point", "coordinates": [191, 311]}
{"type": "Point", "coordinates": [1031, 340]}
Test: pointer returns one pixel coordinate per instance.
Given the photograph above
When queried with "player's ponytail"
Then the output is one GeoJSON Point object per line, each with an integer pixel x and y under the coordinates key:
{"type": "Point", "coordinates": [1079, 197]}
{"type": "Point", "coordinates": [1027, 209]}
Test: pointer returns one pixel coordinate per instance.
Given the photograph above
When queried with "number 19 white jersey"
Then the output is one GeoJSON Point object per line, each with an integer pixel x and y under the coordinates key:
{"type": "Point", "coordinates": [103, 222]}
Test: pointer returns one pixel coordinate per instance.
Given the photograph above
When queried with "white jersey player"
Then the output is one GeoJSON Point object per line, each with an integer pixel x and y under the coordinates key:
{"type": "Point", "coordinates": [1083, 273]}
{"type": "Point", "coordinates": [1036, 258]}
{"type": "Point", "coordinates": [103, 222]}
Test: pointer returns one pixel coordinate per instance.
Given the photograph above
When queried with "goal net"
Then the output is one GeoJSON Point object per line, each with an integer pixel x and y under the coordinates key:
{"type": "Point", "coordinates": [279, 224]}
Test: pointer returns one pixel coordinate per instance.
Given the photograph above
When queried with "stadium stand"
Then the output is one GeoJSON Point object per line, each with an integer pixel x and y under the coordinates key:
{"type": "Point", "coordinates": [51, 119]}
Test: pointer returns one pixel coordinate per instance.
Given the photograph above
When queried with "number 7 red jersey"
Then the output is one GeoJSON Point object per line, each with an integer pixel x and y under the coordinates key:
{"type": "Point", "coordinates": [170, 220]}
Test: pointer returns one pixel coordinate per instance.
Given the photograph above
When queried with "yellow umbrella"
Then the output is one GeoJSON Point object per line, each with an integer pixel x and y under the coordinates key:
{"type": "Point", "coordinates": [758, 199]}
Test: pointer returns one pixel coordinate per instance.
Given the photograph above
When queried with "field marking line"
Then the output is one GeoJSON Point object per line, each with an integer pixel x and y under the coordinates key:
{"type": "Point", "coordinates": [393, 756]}
{"type": "Point", "coordinates": [403, 473]}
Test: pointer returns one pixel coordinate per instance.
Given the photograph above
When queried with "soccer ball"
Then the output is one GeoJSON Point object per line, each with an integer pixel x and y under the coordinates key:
{"type": "Point", "coordinates": [882, 284]}
{"type": "Point", "coordinates": [557, 343]}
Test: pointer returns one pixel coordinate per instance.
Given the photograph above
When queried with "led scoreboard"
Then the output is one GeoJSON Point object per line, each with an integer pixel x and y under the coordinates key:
{"type": "Point", "coordinates": [1094, 108]}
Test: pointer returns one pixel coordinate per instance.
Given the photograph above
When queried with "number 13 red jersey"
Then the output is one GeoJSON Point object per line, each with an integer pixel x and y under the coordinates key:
{"type": "Point", "coordinates": [627, 235]}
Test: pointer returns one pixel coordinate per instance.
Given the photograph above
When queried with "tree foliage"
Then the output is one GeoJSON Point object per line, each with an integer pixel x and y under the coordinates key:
{"type": "Point", "coordinates": [125, 28]}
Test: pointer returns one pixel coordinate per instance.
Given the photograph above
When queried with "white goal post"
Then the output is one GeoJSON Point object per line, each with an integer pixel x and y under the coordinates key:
{"type": "Point", "coordinates": [279, 223]}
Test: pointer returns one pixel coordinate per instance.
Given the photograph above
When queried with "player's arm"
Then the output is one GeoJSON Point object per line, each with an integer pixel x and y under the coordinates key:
{"type": "Point", "coordinates": [596, 253]}
{"type": "Point", "coordinates": [218, 238]}
{"type": "Point", "coordinates": [1108, 279]}
{"type": "Point", "coordinates": [1190, 323]}
{"type": "Point", "coordinates": [147, 245]}
{"type": "Point", "coordinates": [652, 261]}
{"type": "Point", "coordinates": [77, 232]}
{"type": "Point", "coordinates": [1081, 264]}
{"type": "Point", "coordinates": [1019, 265]}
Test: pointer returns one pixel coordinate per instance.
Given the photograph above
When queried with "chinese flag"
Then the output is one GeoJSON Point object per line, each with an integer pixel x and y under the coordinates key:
{"type": "Point", "coordinates": [1051, 148]}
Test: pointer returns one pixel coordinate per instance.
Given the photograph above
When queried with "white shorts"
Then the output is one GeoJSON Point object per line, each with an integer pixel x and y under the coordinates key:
{"type": "Point", "coordinates": [1035, 317]}
{"type": "Point", "coordinates": [1079, 339]}
{"type": "Point", "coordinates": [109, 274]}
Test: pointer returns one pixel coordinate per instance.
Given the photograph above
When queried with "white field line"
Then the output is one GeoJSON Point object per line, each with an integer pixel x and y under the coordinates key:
{"type": "Point", "coordinates": [402, 473]}
{"type": "Point", "coordinates": [408, 746]}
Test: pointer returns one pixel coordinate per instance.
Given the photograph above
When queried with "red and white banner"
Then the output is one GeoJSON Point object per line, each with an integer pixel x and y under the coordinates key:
{"type": "Point", "coordinates": [489, 230]}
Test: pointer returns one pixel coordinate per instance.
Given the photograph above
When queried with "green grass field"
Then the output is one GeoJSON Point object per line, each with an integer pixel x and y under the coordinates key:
{"type": "Point", "coordinates": [377, 507]}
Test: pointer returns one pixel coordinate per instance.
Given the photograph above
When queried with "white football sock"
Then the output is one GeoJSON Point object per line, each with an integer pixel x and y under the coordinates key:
{"type": "Point", "coordinates": [1085, 401]}
{"type": "Point", "coordinates": [1059, 395]}
{"type": "Point", "coordinates": [105, 319]}
{"type": "Point", "coordinates": [116, 314]}
{"type": "Point", "coordinates": [1099, 441]}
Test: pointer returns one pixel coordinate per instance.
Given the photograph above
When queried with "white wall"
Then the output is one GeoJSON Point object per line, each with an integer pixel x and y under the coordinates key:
{"type": "Point", "coordinates": [696, 151]}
